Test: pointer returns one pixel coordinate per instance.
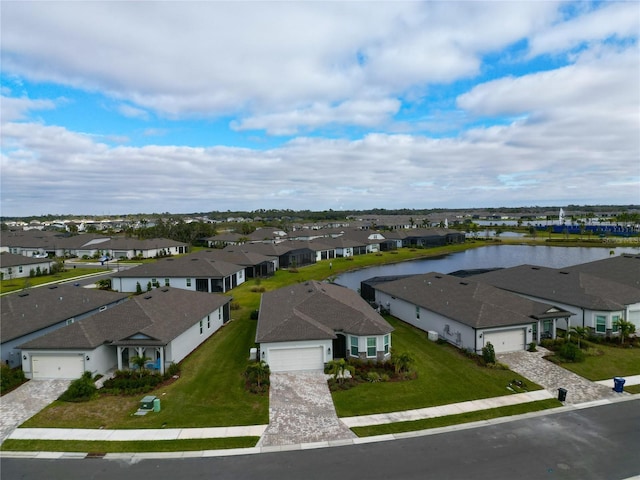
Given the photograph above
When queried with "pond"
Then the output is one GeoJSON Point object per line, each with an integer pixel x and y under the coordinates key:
{"type": "Point", "coordinates": [491, 256]}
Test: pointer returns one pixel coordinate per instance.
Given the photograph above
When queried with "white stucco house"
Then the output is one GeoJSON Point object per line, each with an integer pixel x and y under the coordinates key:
{"type": "Point", "coordinates": [164, 325]}
{"type": "Point", "coordinates": [20, 266]}
{"type": "Point", "coordinates": [34, 312]}
{"type": "Point", "coordinates": [595, 301]}
{"type": "Point", "coordinates": [197, 273]}
{"type": "Point", "coordinates": [466, 313]}
{"type": "Point", "coordinates": [304, 326]}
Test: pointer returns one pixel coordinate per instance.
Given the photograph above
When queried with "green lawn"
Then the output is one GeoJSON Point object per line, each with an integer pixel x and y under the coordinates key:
{"type": "Point", "coordinates": [614, 362]}
{"type": "Point", "coordinates": [210, 392]}
{"type": "Point", "coordinates": [125, 447]}
{"type": "Point", "coordinates": [455, 419]}
{"type": "Point", "coordinates": [445, 376]}
{"type": "Point", "coordinates": [14, 284]}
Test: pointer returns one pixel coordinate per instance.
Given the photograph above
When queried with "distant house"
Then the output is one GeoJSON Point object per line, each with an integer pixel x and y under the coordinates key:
{"type": "Point", "coordinates": [468, 314]}
{"type": "Point", "coordinates": [289, 254]}
{"type": "Point", "coordinates": [255, 264]}
{"type": "Point", "coordinates": [19, 266]}
{"type": "Point", "coordinates": [163, 326]}
{"type": "Point", "coordinates": [191, 272]}
{"type": "Point", "coordinates": [303, 326]}
{"type": "Point", "coordinates": [596, 302]}
{"type": "Point", "coordinates": [29, 314]}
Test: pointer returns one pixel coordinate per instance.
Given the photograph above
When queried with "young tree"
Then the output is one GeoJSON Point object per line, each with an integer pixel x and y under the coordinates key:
{"type": "Point", "coordinates": [580, 333]}
{"type": "Point", "coordinates": [626, 328]}
{"type": "Point", "coordinates": [140, 362]}
{"type": "Point", "coordinates": [338, 369]}
{"type": "Point", "coordinates": [401, 361]}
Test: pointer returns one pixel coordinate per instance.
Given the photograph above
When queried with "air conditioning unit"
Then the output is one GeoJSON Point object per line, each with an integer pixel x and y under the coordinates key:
{"type": "Point", "coordinates": [433, 336]}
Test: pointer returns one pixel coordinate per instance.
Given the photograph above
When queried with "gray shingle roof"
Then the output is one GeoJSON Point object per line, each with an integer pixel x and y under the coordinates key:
{"type": "Point", "coordinates": [187, 266]}
{"type": "Point", "coordinates": [566, 286]}
{"type": "Point", "coordinates": [315, 310]}
{"type": "Point", "coordinates": [12, 260]}
{"type": "Point", "coordinates": [158, 316]}
{"type": "Point", "coordinates": [478, 305]}
{"type": "Point", "coordinates": [37, 308]}
{"type": "Point", "coordinates": [621, 269]}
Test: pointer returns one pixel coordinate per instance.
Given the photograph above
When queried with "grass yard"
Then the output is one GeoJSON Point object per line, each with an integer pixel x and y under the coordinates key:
{"type": "Point", "coordinates": [445, 421]}
{"type": "Point", "coordinates": [100, 447]}
{"type": "Point", "coordinates": [15, 284]}
{"type": "Point", "coordinates": [445, 376]}
{"type": "Point", "coordinates": [209, 393]}
{"type": "Point", "coordinates": [614, 362]}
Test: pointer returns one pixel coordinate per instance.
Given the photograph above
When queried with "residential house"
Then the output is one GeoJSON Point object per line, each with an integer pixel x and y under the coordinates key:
{"type": "Point", "coordinates": [163, 326]}
{"type": "Point", "coordinates": [32, 313]}
{"type": "Point", "coordinates": [596, 302]}
{"type": "Point", "coordinates": [466, 313]}
{"type": "Point", "coordinates": [190, 272]}
{"type": "Point", "coordinates": [255, 264]}
{"type": "Point", "coordinates": [18, 266]}
{"type": "Point", "coordinates": [304, 326]}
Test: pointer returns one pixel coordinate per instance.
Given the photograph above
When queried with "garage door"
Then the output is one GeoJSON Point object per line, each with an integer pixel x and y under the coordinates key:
{"type": "Point", "coordinates": [57, 366]}
{"type": "Point", "coordinates": [506, 341]}
{"type": "Point", "coordinates": [292, 359]}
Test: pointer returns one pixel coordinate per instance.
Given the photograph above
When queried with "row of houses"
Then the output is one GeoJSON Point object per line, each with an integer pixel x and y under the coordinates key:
{"type": "Point", "coordinates": [39, 244]}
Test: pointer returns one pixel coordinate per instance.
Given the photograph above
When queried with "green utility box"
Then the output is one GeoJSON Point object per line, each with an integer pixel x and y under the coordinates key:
{"type": "Point", "coordinates": [147, 402]}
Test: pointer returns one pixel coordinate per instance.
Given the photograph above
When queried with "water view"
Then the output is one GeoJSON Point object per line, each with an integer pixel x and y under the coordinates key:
{"type": "Point", "coordinates": [491, 256]}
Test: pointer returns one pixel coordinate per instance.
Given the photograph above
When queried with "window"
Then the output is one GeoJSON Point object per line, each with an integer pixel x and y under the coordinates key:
{"type": "Point", "coordinates": [70, 321]}
{"type": "Point", "coordinates": [188, 282]}
{"type": "Point", "coordinates": [201, 327]}
{"type": "Point", "coordinates": [354, 346]}
{"type": "Point", "coordinates": [601, 324]}
{"type": "Point", "coordinates": [417, 311]}
{"type": "Point", "coordinates": [386, 343]}
{"type": "Point", "coordinates": [614, 323]}
{"type": "Point", "coordinates": [167, 283]}
{"type": "Point", "coordinates": [20, 269]}
{"type": "Point", "coordinates": [371, 347]}
{"type": "Point", "coordinates": [220, 314]}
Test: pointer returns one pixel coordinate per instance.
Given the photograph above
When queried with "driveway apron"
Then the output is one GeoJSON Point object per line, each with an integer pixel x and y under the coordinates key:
{"type": "Point", "coordinates": [24, 402]}
{"type": "Point", "coordinates": [301, 410]}
{"type": "Point", "coordinates": [531, 365]}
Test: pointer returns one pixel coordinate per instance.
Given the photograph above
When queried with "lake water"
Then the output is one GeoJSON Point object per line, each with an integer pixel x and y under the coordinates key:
{"type": "Point", "coordinates": [491, 256]}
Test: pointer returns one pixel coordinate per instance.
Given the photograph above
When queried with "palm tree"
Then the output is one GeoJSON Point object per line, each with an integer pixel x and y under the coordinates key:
{"type": "Point", "coordinates": [140, 362]}
{"type": "Point", "coordinates": [626, 328]}
{"type": "Point", "coordinates": [401, 361]}
{"type": "Point", "coordinates": [581, 332]}
{"type": "Point", "coordinates": [259, 371]}
{"type": "Point", "coordinates": [338, 368]}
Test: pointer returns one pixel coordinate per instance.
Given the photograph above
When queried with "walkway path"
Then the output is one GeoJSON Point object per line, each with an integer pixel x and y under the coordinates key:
{"type": "Point", "coordinates": [25, 401]}
{"type": "Point", "coordinates": [301, 411]}
{"type": "Point", "coordinates": [531, 365]}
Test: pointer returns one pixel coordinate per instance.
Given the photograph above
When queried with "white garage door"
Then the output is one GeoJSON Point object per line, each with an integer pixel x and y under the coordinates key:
{"type": "Point", "coordinates": [57, 366]}
{"type": "Point", "coordinates": [292, 359]}
{"type": "Point", "coordinates": [506, 341]}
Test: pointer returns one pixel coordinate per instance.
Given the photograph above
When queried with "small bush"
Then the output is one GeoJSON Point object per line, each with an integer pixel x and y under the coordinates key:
{"type": "Point", "coordinates": [10, 378]}
{"type": "Point", "coordinates": [173, 370]}
{"type": "Point", "coordinates": [532, 347]}
{"type": "Point", "coordinates": [254, 314]}
{"type": "Point", "coordinates": [488, 354]}
{"type": "Point", "coordinates": [234, 306]}
{"type": "Point", "coordinates": [373, 377]}
{"type": "Point", "coordinates": [571, 353]}
{"type": "Point", "coordinates": [82, 389]}
{"type": "Point", "coordinates": [129, 382]}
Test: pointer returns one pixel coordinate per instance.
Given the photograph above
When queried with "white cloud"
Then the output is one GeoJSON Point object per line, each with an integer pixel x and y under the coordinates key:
{"type": "Point", "coordinates": [611, 20]}
{"type": "Point", "coordinates": [133, 112]}
{"type": "Point", "coordinates": [12, 108]}
{"type": "Point", "coordinates": [258, 58]}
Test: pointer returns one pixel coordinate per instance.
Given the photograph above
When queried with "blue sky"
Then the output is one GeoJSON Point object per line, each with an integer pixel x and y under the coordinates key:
{"type": "Point", "coordinates": [142, 107]}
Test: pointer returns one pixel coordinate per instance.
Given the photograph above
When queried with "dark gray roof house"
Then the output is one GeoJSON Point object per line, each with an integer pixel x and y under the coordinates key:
{"type": "Point", "coordinates": [467, 313]}
{"type": "Point", "coordinates": [164, 326]}
{"type": "Point", "coordinates": [31, 313]}
{"type": "Point", "coordinates": [623, 268]}
{"type": "Point", "coordinates": [305, 325]}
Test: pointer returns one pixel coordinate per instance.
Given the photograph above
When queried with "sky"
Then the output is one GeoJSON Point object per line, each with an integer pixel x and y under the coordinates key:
{"type": "Point", "coordinates": [111, 108]}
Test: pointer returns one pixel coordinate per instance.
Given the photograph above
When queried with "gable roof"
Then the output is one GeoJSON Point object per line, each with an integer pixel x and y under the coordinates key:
{"type": "Point", "coordinates": [13, 260]}
{"type": "Point", "coordinates": [623, 268]}
{"type": "Point", "coordinates": [564, 286]}
{"type": "Point", "coordinates": [155, 318]}
{"type": "Point", "coordinates": [186, 266]}
{"type": "Point", "coordinates": [38, 308]}
{"type": "Point", "coordinates": [235, 254]}
{"type": "Point", "coordinates": [314, 311]}
{"type": "Point", "coordinates": [478, 305]}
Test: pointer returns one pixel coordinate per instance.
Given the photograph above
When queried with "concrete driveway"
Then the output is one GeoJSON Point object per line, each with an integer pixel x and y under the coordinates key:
{"type": "Point", "coordinates": [301, 411]}
{"type": "Point", "coordinates": [24, 402]}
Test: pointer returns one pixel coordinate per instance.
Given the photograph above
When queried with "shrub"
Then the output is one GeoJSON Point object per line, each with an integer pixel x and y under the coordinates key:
{"type": "Point", "coordinates": [571, 353]}
{"type": "Point", "coordinates": [82, 389]}
{"type": "Point", "coordinates": [129, 382]}
{"type": "Point", "coordinates": [257, 377]}
{"type": "Point", "coordinates": [488, 353]}
{"type": "Point", "coordinates": [373, 377]}
{"type": "Point", "coordinates": [234, 306]}
{"type": "Point", "coordinates": [10, 378]}
{"type": "Point", "coordinates": [532, 347]}
{"type": "Point", "coordinates": [174, 369]}
{"type": "Point", "coordinates": [254, 314]}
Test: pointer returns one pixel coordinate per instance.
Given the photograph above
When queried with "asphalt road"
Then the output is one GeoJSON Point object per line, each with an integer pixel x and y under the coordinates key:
{"type": "Point", "coordinates": [592, 443]}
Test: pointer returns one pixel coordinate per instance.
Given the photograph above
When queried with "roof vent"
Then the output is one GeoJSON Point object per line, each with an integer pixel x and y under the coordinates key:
{"type": "Point", "coordinates": [438, 276]}
{"type": "Point", "coordinates": [464, 283]}
{"type": "Point", "coordinates": [535, 268]}
{"type": "Point", "coordinates": [194, 259]}
{"type": "Point", "coordinates": [53, 287]}
{"type": "Point", "coordinates": [165, 289]}
{"type": "Point", "coordinates": [23, 294]}
{"type": "Point", "coordinates": [147, 297]}
{"type": "Point", "coordinates": [564, 273]}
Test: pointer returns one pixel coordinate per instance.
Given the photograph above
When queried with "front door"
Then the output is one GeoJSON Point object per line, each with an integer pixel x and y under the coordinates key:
{"type": "Point", "coordinates": [340, 346]}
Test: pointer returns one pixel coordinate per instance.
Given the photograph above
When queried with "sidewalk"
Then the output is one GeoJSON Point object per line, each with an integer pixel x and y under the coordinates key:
{"type": "Point", "coordinates": [630, 380]}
